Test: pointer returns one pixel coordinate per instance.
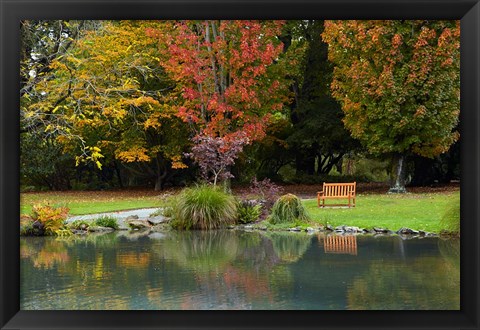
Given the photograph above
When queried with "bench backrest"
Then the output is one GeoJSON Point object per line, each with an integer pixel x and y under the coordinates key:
{"type": "Point", "coordinates": [339, 189]}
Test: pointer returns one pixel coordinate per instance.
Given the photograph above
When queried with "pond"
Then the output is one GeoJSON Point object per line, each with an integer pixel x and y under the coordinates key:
{"type": "Point", "coordinates": [238, 270]}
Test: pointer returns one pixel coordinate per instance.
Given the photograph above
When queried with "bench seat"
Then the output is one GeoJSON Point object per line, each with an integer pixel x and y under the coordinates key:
{"type": "Point", "coordinates": [337, 191]}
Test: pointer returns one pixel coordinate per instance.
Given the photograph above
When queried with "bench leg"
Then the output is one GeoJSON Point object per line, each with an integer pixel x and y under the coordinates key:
{"type": "Point", "coordinates": [349, 204]}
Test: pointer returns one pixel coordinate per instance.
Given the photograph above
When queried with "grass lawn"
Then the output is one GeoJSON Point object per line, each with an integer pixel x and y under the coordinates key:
{"type": "Point", "coordinates": [87, 202]}
{"type": "Point", "coordinates": [416, 211]}
{"type": "Point", "coordinates": [420, 211]}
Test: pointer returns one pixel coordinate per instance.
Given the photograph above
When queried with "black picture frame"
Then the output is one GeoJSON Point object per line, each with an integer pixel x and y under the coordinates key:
{"type": "Point", "coordinates": [12, 11]}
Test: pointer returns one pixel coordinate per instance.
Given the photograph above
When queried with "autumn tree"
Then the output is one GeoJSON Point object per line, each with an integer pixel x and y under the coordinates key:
{"type": "Point", "coordinates": [115, 102]}
{"type": "Point", "coordinates": [398, 84]}
{"type": "Point", "coordinates": [215, 155]}
{"type": "Point", "coordinates": [43, 162]}
{"type": "Point", "coordinates": [226, 74]}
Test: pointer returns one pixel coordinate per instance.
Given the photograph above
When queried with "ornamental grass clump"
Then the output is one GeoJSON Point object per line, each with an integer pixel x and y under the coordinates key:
{"type": "Point", "coordinates": [203, 207]}
{"type": "Point", "coordinates": [288, 209]}
{"type": "Point", "coordinates": [249, 211]}
{"type": "Point", "coordinates": [106, 221]}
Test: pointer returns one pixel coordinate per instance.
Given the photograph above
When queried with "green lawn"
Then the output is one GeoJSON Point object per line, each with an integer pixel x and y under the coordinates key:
{"type": "Point", "coordinates": [416, 211]}
{"type": "Point", "coordinates": [87, 202]}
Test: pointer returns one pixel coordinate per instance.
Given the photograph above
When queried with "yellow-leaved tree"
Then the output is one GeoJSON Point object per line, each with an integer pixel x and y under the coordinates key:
{"type": "Point", "coordinates": [107, 100]}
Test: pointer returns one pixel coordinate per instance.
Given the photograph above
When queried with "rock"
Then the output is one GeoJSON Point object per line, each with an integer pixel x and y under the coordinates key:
{"type": "Point", "coordinates": [310, 229]}
{"type": "Point", "coordinates": [262, 228]}
{"type": "Point", "coordinates": [380, 230]}
{"type": "Point", "coordinates": [79, 232]}
{"type": "Point", "coordinates": [138, 224]}
{"type": "Point", "coordinates": [248, 227]}
{"type": "Point", "coordinates": [131, 217]}
{"type": "Point", "coordinates": [230, 227]}
{"type": "Point", "coordinates": [352, 229]}
{"type": "Point", "coordinates": [329, 228]}
{"type": "Point", "coordinates": [122, 226]}
{"type": "Point", "coordinates": [340, 229]}
{"type": "Point", "coordinates": [406, 231]}
{"type": "Point", "coordinates": [99, 229]}
{"type": "Point", "coordinates": [366, 231]}
{"type": "Point", "coordinates": [162, 227]}
{"type": "Point", "coordinates": [294, 229]}
{"type": "Point", "coordinates": [157, 220]}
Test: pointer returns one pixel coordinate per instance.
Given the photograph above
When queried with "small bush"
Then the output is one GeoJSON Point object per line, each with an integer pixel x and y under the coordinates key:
{"type": "Point", "coordinates": [50, 217]}
{"type": "Point", "coordinates": [106, 221]}
{"type": "Point", "coordinates": [203, 207]}
{"type": "Point", "coordinates": [288, 209]}
{"type": "Point", "coordinates": [450, 221]}
{"type": "Point", "coordinates": [249, 211]}
{"type": "Point", "coordinates": [266, 190]}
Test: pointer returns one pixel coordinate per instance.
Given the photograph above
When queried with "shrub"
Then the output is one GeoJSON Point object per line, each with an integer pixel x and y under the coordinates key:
{"type": "Point", "coordinates": [249, 211]}
{"type": "Point", "coordinates": [266, 190]}
{"type": "Point", "coordinates": [288, 208]}
{"type": "Point", "coordinates": [203, 207]}
{"type": "Point", "coordinates": [106, 221]}
{"type": "Point", "coordinates": [450, 221]}
{"type": "Point", "coordinates": [50, 217]}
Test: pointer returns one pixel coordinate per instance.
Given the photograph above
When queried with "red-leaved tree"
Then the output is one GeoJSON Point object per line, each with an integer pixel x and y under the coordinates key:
{"type": "Point", "coordinates": [227, 77]}
{"type": "Point", "coordinates": [215, 155]}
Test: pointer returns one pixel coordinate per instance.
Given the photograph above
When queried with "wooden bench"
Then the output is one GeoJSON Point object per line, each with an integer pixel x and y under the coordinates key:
{"type": "Point", "coordinates": [337, 191]}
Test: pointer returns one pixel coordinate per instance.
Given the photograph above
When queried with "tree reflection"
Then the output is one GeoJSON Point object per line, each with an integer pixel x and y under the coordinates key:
{"type": "Point", "coordinates": [289, 247]}
{"type": "Point", "coordinates": [202, 251]}
{"type": "Point", "coordinates": [422, 283]}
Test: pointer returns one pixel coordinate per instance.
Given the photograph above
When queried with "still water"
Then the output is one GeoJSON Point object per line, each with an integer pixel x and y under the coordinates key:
{"type": "Point", "coordinates": [238, 270]}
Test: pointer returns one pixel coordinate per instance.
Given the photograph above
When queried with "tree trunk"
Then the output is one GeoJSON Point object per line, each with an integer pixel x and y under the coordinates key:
{"type": "Point", "coordinates": [159, 181]}
{"type": "Point", "coordinates": [398, 176]}
{"type": "Point", "coordinates": [305, 162]}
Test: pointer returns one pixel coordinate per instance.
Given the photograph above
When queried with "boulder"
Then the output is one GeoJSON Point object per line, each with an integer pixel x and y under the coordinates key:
{"type": "Point", "coordinates": [329, 228]}
{"type": "Point", "coordinates": [100, 229]}
{"type": "Point", "coordinates": [131, 217]}
{"type": "Point", "coordinates": [138, 224]}
{"type": "Point", "coordinates": [157, 220]}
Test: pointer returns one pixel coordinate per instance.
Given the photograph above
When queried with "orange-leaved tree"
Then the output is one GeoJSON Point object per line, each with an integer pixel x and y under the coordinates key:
{"type": "Point", "coordinates": [398, 84]}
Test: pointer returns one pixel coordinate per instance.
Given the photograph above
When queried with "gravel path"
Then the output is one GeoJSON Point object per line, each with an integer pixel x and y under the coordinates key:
{"type": "Point", "coordinates": [120, 215]}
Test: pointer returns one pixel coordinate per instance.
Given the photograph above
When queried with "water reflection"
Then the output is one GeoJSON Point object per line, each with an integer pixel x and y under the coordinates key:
{"type": "Point", "coordinates": [340, 244]}
{"type": "Point", "coordinates": [238, 270]}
